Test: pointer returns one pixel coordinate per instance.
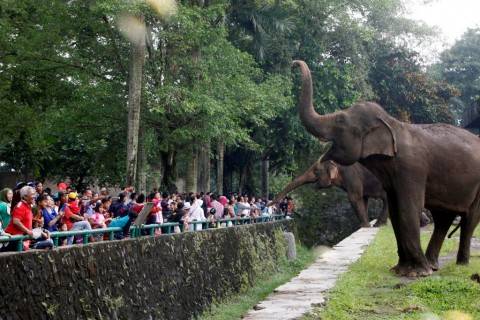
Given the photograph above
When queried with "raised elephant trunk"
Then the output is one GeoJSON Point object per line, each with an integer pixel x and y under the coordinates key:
{"type": "Point", "coordinates": [316, 124]}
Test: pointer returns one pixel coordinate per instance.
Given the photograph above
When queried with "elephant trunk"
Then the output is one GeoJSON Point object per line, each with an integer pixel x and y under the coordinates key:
{"type": "Point", "coordinates": [307, 177]}
{"type": "Point", "coordinates": [318, 125]}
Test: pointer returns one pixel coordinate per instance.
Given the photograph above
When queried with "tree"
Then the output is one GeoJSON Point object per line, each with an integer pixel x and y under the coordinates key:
{"type": "Point", "coordinates": [137, 60]}
{"type": "Point", "coordinates": [57, 85]}
{"type": "Point", "coordinates": [460, 66]}
{"type": "Point", "coordinates": [405, 90]}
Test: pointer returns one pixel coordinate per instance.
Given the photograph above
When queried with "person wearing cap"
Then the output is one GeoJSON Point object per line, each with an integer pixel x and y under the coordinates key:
{"type": "Point", "coordinates": [62, 186]}
{"type": "Point", "coordinates": [73, 202]}
{"type": "Point", "coordinates": [72, 218]}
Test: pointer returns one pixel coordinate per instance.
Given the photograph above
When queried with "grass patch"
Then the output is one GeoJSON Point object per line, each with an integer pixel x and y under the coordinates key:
{"type": "Point", "coordinates": [236, 306]}
{"type": "Point", "coordinates": [369, 291]}
{"type": "Point", "coordinates": [476, 234]}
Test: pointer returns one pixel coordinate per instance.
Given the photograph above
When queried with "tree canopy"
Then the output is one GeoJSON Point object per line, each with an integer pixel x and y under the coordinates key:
{"type": "Point", "coordinates": [216, 72]}
{"type": "Point", "coordinates": [460, 66]}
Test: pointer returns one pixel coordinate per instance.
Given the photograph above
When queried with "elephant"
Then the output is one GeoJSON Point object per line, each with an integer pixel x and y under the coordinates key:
{"type": "Point", "coordinates": [358, 182]}
{"type": "Point", "coordinates": [436, 166]}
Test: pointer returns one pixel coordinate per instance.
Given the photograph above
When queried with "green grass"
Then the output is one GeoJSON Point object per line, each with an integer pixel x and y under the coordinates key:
{"type": "Point", "coordinates": [370, 291]}
{"type": "Point", "coordinates": [237, 305]}
{"type": "Point", "coordinates": [477, 232]}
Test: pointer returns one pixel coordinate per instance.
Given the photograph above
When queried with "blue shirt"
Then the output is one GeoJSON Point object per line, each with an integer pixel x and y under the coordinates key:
{"type": "Point", "coordinates": [47, 217]}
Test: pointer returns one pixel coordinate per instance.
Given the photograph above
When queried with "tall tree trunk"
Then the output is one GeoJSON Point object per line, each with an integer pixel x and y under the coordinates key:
{"type": "Point", "coordinates": [169, 174]}
{"type": "Point", "coordinates": [141, 162]}
{"type": "Point", "coordinates": [265, 186]}
{"type": "Point", "coordinates": [137, 60]}
{"type": "Point", "coordinates": [248, 184]}
{"type": "Point", "coordinates": [191, 177]}
{"type": "Point", "coordinates": [231, 181]}
{"type": "Point", "coordinates": [156, 170]}
{"type": "Point", "coordinates": [220, 155]}
{"type": "Point", "coordinates": [241, 180]}
{"type": "Point", "coordinates": [204, 168]}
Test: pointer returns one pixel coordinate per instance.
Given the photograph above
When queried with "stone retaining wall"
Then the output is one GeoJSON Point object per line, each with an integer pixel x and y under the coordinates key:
{"type": "Point", "coordinates": [166, 277]}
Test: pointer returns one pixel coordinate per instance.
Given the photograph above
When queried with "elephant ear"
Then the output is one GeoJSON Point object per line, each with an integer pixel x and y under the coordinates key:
{"type": "Point", "coordinates": [332, 170]}
{"type": "Point", "coordinates": [380, 140]}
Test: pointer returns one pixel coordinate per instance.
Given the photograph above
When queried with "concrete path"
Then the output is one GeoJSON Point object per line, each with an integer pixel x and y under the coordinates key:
{"type": "Point", "coordinates": [297, 297]}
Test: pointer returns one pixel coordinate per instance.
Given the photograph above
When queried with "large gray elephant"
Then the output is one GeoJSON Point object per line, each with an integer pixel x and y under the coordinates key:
{"type": "Point", "coordinates": [358, 182]}
{"type": "Point", "coordinates": [436, 166]}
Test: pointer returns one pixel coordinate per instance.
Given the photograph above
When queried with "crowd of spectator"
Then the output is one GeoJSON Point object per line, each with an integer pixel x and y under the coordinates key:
{"type": "Point", "coordinates": [29, 209]}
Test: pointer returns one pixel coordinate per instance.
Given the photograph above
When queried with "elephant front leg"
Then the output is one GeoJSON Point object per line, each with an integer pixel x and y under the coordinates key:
{"type": "Point", "coordinates": [382, 219]}
{"type": "Point", "coordinates": [405, 217]}
{"type": "Point", "coordinates": [360, 210]}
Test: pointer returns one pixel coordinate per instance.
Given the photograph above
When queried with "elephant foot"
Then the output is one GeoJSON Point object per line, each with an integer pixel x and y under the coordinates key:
{"type": "Point", "coordinates": [365, 225]}
{"type": "Point", "coordinates": [412, 271]}
{"type": "Point", "coordinates": [379, 223]}
{"type": "Point", "coordinates": [433, 264]}
{"type": "Point", "coordinates": [463, 261]}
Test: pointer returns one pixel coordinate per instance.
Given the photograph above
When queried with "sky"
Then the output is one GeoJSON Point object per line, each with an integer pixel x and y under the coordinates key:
{"type": "Point", "coordinates": [451, 17]}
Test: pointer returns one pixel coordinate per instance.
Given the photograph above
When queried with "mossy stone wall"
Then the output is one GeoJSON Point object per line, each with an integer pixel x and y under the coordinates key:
{"type": "Point", "coordinates": [166, 277]}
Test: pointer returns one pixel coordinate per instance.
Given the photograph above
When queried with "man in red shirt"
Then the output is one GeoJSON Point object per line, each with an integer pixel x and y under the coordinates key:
{"type": "Point", "coordinates": [22, 216]}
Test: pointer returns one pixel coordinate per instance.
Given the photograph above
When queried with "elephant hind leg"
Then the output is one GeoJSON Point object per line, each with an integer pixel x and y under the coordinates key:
{"type": "Point", "coordinates": [443, 220]}
{"type": "Point", "coordinates": [467, 226]}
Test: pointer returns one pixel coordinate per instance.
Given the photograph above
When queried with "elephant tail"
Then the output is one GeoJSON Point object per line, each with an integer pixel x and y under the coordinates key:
{"type": "Point", "coordinates": [454, 230]}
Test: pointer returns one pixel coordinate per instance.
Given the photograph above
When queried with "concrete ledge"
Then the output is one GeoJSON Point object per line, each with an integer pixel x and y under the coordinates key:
{"type": "Point", "coordinates": [308, 289]}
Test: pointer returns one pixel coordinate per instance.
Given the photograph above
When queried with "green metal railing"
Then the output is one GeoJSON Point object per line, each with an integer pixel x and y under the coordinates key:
{"type": "Point", "coordinates": [137, 231]}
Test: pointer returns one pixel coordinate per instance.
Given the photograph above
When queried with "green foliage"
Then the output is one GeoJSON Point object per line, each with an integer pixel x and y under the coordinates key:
{"type": "Point", "coordinates": [460, 66]}
{"type": "Point", "coordinates": [406, 91]}
{"type": "Point", "coordinates": [200, 93]}
{"type": "Point", "coordinates": [61, 90]}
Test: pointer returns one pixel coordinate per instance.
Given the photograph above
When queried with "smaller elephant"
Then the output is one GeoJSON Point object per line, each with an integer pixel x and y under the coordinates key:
{"type": "Point", "coordinates": [359, 183]}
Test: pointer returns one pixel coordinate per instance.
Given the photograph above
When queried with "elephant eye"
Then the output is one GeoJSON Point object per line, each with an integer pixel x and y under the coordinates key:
{"type": "Point", "coordinates": [341, 118]}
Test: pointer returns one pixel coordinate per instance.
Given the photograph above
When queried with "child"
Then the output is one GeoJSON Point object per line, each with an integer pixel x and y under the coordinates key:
{"type": "Point", "coordinates": [211, 218]}
{"type": "Point", "coordinates": [99, 219]}
{"type": "Point", "coordinates": [44, 241]}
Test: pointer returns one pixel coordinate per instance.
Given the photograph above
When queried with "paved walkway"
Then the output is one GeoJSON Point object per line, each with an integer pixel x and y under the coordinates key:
{"type": "Point", "coordinates": [297, 297]}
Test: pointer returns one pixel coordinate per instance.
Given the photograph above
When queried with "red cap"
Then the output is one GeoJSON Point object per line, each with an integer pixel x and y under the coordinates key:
{"type": "Point", "coordinates": [62, 186]}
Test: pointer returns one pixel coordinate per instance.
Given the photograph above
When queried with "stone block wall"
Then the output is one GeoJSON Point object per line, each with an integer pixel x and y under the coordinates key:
{"type": "Point", "coordinates": [166, 277]}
